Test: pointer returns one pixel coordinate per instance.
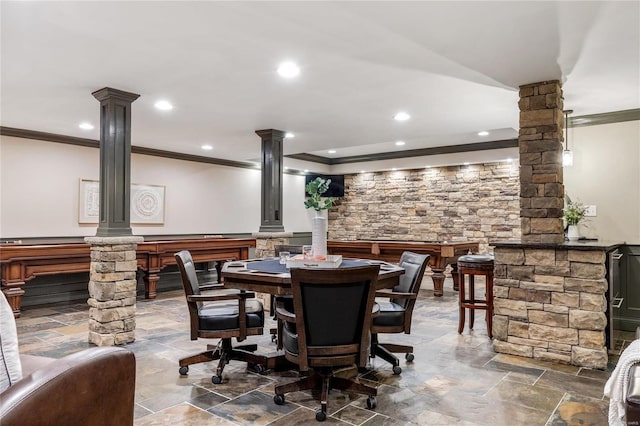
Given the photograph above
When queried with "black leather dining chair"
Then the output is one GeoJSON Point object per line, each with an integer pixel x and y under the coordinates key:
{"type": "Point", "coordinates": [333, 309]}
{"type": "Point", "coordinates": [234, 313]}
{"type": "Point", "coordinates": [285, 300]}
{"type": "Point", "coordinates": [396, 312]}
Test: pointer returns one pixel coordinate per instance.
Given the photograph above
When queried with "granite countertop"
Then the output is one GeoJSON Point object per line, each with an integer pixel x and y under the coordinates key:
{"type": "Point", "coordinates": [573, 245]}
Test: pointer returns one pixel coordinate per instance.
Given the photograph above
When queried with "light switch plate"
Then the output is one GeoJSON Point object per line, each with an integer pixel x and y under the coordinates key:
{"type": "Point", "coordinates": [591, 211]}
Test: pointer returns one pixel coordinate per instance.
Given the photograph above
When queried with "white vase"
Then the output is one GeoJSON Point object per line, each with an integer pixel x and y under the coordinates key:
{"type": "Point", "coordinates": [319, 236]}
{"type": "Point", "coordinates": [572, 233]}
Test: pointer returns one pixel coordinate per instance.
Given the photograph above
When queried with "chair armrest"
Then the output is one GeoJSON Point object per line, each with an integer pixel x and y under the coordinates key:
{"type": "Point", "coordinates": [284, 315]}
{"type": "Point", "coordinates": [216, 286]}
{"type": "Point", "coordinates": [395, 295]}
{"type": "Point", "coordinates": [93, 386]}
{"type": "Point", "coordinates": [216, 298]}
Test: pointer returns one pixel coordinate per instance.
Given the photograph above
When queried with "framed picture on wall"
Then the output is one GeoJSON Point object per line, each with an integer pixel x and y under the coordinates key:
{"type": "Point", "coordinates": [89, 201]}
{"type": "Point", "coordinates": [147, 203]}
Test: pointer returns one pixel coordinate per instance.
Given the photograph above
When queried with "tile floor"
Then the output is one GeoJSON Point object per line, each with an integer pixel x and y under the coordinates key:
{"type": "Point", "coordinates": [455, 379]}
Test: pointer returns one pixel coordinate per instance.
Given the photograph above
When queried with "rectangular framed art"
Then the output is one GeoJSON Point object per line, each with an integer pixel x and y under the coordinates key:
{"type": "Point", "coordinates": [147, 203]}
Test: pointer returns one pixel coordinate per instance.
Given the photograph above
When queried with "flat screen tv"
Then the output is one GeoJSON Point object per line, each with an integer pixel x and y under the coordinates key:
{"type": "Point", "coordinates": [336, 187]}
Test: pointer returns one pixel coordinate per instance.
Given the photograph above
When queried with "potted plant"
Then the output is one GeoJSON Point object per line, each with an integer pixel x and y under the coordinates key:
{"type": "Point", "coordinates": [316, 201]}
{"type": "Point", "coordinates": [573, 214]}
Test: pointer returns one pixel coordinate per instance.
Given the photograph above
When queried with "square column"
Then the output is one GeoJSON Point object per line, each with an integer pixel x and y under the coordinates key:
{"type": "Point", "coordinates": [541, 178]}
{"type": "Point", "coordinates": [112, 290]}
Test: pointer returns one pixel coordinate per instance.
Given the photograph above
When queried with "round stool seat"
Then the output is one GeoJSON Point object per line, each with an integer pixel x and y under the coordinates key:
{"type": "Point", "coordinates": [476, 258]}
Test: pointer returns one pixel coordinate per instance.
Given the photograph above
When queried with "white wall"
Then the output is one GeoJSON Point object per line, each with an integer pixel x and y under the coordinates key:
{"type": "Point", "coordinates": [606, 173]}
{"type": "Point", "coordinates": [39, 186]}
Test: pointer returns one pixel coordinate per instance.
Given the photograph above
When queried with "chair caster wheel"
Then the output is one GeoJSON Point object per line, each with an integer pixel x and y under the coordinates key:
{"type": "Point", "coordinates": [216, 380]}
{"type": "Point", "coordinates": [409, 357]}
{"type": "Point", "coordinates": [274, 338]}
{"type": "Point", "coordinates": [259, 368]}
{"type": "Point", "coordinates": [183, 370]}
{"type": "Point", "coordinates": [371, 402]}
{"type": "Point", "coordinates": [278, 399]}
{"type": "Point", "coordinates": [397, 370]}
{"type": "Point", "coordinates": [321, 416]}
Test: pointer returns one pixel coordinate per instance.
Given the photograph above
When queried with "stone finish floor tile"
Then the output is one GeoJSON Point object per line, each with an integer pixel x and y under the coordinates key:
{"type": "Point", "coordinates": [455, 379]}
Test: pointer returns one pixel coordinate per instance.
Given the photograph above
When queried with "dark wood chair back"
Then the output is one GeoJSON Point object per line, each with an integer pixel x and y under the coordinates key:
{"type": "Point", "coordinates": [333, 315]}
{"type": "Point", "coordinates": [414, 265]}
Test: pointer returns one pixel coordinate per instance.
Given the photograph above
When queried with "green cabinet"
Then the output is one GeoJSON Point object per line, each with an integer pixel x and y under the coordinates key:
{"type": "Point", "coordinates": [627, 316]}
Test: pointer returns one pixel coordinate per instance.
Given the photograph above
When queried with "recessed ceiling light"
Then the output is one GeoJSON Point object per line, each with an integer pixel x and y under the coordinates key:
{"type": "Point", "coordinates": [289, 135]}
{"type": "Point", "coordinates": [286, 168]}
{"type": "Point", "coordinates": [288, 70]}
{"type": "Point", "coordinates": [86, 126]}
{"type": "Point", "coordinates": [466, 163]}
{"type": "Point", "coordinates": [362, 171]}
{"type": "Point", "coordinates": [401, 116]}
{"type": "Point", "coordinates": [332, 151]}
{"type": "Point", "coordinates": [306, 170]}
{"type": "Point", "coordinates": [394, 169]}
{"type": "Point", "coordinates": [207, 147]}
{"type": "Point", "coordinates": [163, 105]}
{"type": "Point", "coordinates": [428, 167]}
{"type": "Point", "coordinates": [400, 143]}
{"type": "Point", "coordinates": [509, 160]}
{"type": "Point", "coordinates": [483, 133]}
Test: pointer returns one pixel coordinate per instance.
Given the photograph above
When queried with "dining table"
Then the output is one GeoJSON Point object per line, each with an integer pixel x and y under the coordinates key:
{"type": "Point", "coordinates": [268, 275]}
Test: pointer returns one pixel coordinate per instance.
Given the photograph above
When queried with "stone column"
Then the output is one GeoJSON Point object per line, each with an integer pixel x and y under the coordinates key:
{"type": "Point", "coordinates": [541, 179]}
{"type": "Point", "coordinates": [112, 290]}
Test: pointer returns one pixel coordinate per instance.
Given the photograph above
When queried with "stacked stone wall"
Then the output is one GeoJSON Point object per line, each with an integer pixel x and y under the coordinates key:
{"type": "Point", "coordinates": [478, 202]}
{"type": "Point", "coordinates": [550, 304]}
{"type": "Point", "coordinates": [541, 176]}
{"type": "Point", "coordinates": [112, 290]}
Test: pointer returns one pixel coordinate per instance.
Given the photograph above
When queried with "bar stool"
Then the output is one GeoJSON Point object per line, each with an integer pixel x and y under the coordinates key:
{"type": "Point", "coordinates": [472, 265]}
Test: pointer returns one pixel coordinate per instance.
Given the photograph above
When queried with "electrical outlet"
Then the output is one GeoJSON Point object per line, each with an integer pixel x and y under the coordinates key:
{"type": "Point", "coordinates": [591, 211]}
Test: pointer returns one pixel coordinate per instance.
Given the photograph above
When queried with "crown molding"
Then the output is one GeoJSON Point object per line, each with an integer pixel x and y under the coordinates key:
{"type": "Point", "coordinates": [605, 118]}
{"type": "Point", "coordinates": [449, 149]}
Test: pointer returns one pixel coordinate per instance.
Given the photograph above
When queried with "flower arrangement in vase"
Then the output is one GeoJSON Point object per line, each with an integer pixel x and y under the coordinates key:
{"type": "Point", "coordinates": [573, 214]}
{"type": "Point", "coordinates": [316, 201]}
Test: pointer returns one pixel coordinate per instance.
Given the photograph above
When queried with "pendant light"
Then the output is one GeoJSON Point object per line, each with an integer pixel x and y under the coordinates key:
{"type": "Point", "coordinates": [567, 154]}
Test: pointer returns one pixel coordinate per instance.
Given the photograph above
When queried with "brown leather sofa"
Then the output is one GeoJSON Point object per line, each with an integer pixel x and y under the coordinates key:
{"type": "Point", "coordinates": [92, 387]}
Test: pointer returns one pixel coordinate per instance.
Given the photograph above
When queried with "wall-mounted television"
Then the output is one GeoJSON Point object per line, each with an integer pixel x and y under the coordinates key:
{"type": "Point", "coordinates": [336, 187]}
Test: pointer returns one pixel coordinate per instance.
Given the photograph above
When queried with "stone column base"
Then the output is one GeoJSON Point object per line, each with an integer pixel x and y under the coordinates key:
{"type": "Point", "coordinates": [112, 290]}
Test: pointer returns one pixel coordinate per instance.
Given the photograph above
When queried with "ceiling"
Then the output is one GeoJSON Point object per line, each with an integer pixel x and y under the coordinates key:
{"type": "Point", "coordinates": [455, 67]}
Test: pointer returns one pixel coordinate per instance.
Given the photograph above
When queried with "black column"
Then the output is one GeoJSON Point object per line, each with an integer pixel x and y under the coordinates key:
{"type": "Point", "coordinates": [271, 194]}
{"type": "Point", "coordinates": [115, 161]}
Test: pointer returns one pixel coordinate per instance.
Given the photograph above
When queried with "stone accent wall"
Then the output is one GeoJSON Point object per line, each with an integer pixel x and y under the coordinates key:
{"type": "Point", "coordinates": [112, 290]}
{"type": "Point", "coordinates": [549, 304]}
{"type": "Point", "coordinates": [541, 179]}
{"type": "Point", "coordinates": [459, 203]}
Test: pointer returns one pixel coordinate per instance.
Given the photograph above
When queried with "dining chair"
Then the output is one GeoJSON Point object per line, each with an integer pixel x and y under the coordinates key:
{"type": "Point", "coordinates": [285, 300]}
{"type": "Point", "coordinates": [234, 313]}
{"type": "Point", "coordinates": [333, 310]}
{"type": "Point", "coordinates": [396, 312]}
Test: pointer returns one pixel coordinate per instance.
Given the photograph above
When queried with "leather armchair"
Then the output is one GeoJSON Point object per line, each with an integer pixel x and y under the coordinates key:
{"type": "Point", "coordinates": [396, 312]}
{"type": "Point", "coordinates": [91, 387]}
{"type": "Point", "coordinates": [233, 313]}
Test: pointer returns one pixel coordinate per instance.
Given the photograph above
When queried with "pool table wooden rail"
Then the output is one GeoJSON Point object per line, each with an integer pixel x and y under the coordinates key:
{"type": "Point", "coordinates": [20, 263]}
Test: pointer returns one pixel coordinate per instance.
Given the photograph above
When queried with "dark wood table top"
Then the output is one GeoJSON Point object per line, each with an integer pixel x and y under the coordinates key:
{"type": "Point", "coordinates": [250, 275]}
